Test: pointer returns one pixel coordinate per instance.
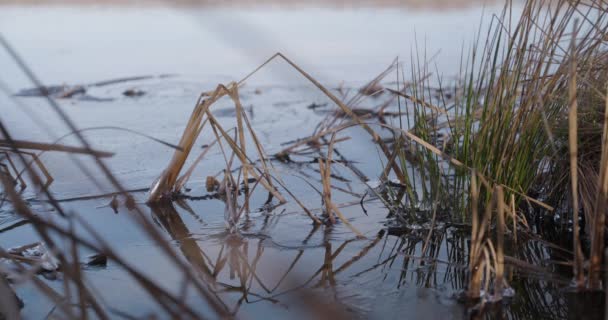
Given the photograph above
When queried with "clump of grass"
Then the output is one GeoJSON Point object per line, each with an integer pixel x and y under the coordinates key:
{"type": "Point", "coordinates": [526, 110]}
{"type": "Point", "coordinates": [167, 184]}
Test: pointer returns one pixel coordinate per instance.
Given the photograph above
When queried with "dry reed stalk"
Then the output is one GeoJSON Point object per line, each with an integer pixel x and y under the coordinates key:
{"type": "Point", "coordinates": [331, 120]}
{"type": "Point", "coordinates": [346, 222]}
{"type": "Point", "coordinates": [265, 181]}
{"type": "Point", "coordinates": [423, 103]}
{"type": "Point", "coordinates": [40, 165]}
{"type": "Point", "coordinates": [56, 147]}
{"type": "Point", "coordinates": [230, 192]}
{"type": "Point", "coordinates": [233, 93]}
{"type": "Point", "coordinates": [500, 239]}
{"type": "Point", "coordinates": [325, 168]}
{"type": "Point", "coordinates": [599, 218]}
{"type": "Point", "coordinates": [32, 145]}
{"type": "Point", "coordinates": [484, 257]}
{"type": "Point", "coordinates": [391, 159]}
{"type": "Point", "coordinates": [315, 220]}
{"type": "Point", "coordinates": [245, 207]}
{"type": "Point", "coordinates": [514, 217]}
{"type": "Point", "coordinates": [572, 147]}
{"type": "Point", "coordinates": [605, 283]}
{"type": "Point", "coordinates": [181, 181]}
{"type": "Point", "coordinates": [486, 267]}
{"type": "Point", "coordinates": [377, 138]}
{"type": "Point", "coordinates": [330, 207]}
{"type": "Point", "coordinates": [162, 188]}
{"type": "Point", "coordinates": [308, 140]}
{"type": "Point", "coordinates": [258, 145]}
{"type": "Point", "coordinates": [474, 263]}
{"type": "Point", "coordinates": [18, 177]}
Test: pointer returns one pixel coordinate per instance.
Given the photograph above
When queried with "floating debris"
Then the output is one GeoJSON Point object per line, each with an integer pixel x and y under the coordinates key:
{"type": "Point", "coordinates": [315, 105]}
{"type": "Point", "coordinates": [37, 253]}
{"type": "Point", "coordinates": [65, 91]}
{"type": "Point", "coordinates": [130, 202]}
{"type": "Point", "coordinates": [212, 184]}
{"type": "Point", "coordinates": [60, 91]}
{"type": "Point", "coordinates": [97, 260]}
{"type": "Point", "coordinates": [133, 93]}
{"type": "Point", "coordinates": [114, 204]}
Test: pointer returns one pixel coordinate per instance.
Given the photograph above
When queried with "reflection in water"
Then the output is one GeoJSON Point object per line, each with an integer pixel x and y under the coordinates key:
{"type": "Point", "coordinates": [171, 221]}
{"type": "Point", "coordinates": [233, 262]}
{"type": "Point", "coordinates": [355, 275]}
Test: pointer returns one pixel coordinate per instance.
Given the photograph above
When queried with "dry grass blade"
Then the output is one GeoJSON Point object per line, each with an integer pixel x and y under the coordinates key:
{"type": "Point", "coordinates": [346, 222]}
{"type": "Point", "coordinates": [18, 177]}
{"type": "Point", "coordinates": [164, 185]}
{"type": "Point", "coordinates": [500, 243]}
{"type": "Point", "coordinates": [231, 209]}
{"type": "Point", "coordinates": [36, 160]}
{"type": "Point", "coordinates": [305, 141]}
{"type": "Point", "coordinates": [377, 139]}
{"type": "Point", "coordinates": [115, 128]}
{"type": "Point", "coordinates": [325, 170]}
{"type": "Point", "coordinates": [474, 250]}
{"type": "Point", "coordinates": [418, 101]}
{"type": "Point", "coordinates": [258, 145]}
{"type": "Point", "coordinates": [315, 220]}
{"type": "Point", "coordinates": [514, 217]}
{"type": "Point", "coordinates": [573, 149]}
{"type": "Point", "coordinates": [265, 180]}
{"type": "Point", "coordinates": [233, 93]}
{"type": "Point", "coordinates": [181, 182]}
{"type": "Point", "coordinates": [31, 145]}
